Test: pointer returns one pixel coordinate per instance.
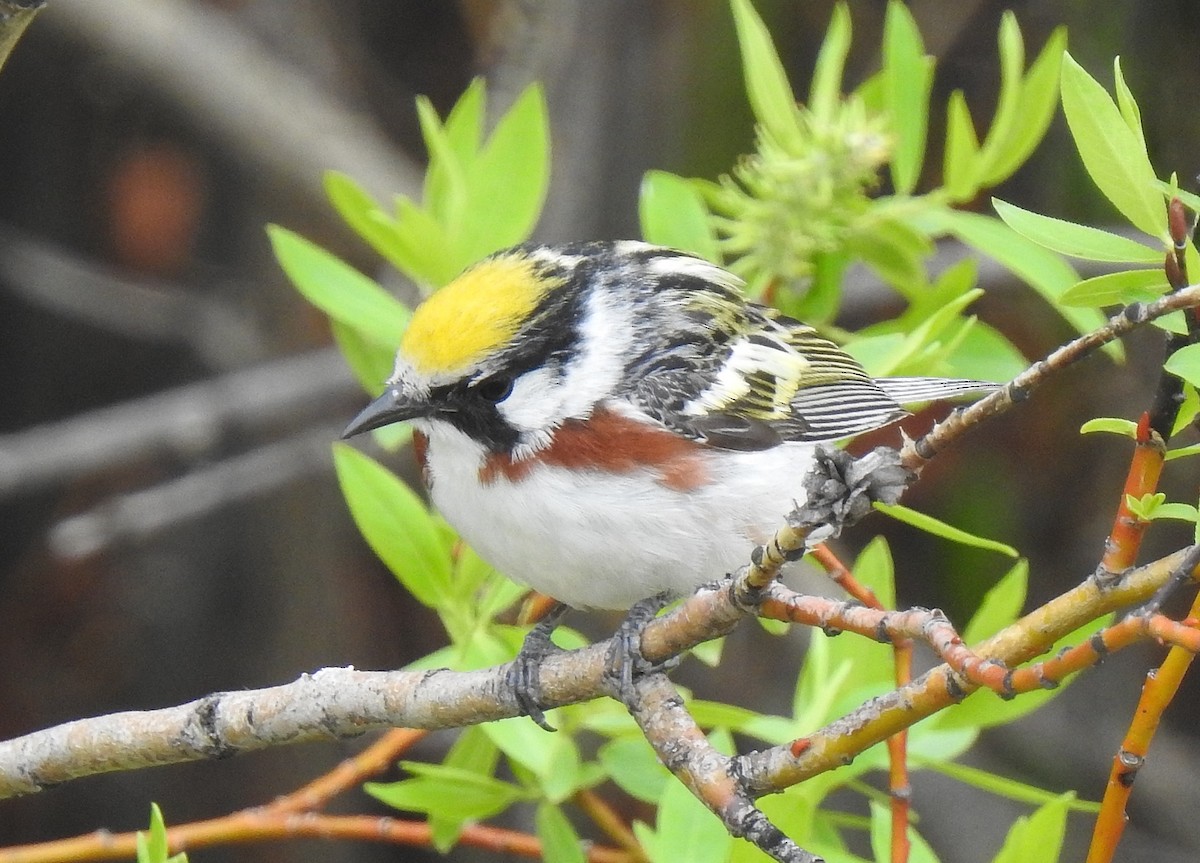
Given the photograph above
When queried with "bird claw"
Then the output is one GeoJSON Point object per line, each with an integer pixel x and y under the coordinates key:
{"type": "Point", "coordinates": [524, 675]}
{"type": "Point", "coordinates": [624, 660]}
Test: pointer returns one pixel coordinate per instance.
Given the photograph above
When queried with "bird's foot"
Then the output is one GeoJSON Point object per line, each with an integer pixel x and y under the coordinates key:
{"type": "Point", "coordinates": [524, 675]}
{"type": "Point", "coordinates": [625, 661]}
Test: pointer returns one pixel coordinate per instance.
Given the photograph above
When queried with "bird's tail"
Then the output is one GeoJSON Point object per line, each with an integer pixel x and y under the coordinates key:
{"type": "Point", "coordinates": [907, 391]}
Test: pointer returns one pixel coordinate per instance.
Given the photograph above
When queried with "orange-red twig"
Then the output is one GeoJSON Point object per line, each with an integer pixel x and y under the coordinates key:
{"type": "Point", "coordinates": [260, 825]}
{"type": "Point", "coordinates": [897, 745]}
{"type": "Point", "coordinates": [934, 629]}
{"type": "Point", "coordinates": [1125, 539]}
{"type": "Point", "coordinates": [607, 819]}
{"type": "Point", "coordinates": [372, 761]}
{"type": "Point", "coordinates": [1158, 691]}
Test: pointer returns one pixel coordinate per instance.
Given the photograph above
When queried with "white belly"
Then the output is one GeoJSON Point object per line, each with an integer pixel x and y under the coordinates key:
{"type": "Point", "coordinates": [596, 540]}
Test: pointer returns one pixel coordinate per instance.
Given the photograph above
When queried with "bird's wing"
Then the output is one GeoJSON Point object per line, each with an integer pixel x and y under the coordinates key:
{"type": "Point", "coordinates": [774, 380]}
{"type": "Point", "coordinates": [779, 380]}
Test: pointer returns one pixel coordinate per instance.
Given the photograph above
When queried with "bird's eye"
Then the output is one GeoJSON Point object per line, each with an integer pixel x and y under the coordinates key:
{"type": "Point", "coordinates": [495, 389]}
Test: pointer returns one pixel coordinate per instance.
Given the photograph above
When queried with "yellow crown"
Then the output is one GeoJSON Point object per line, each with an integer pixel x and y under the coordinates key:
{"type": "Point", "coordinates": [475, 315]}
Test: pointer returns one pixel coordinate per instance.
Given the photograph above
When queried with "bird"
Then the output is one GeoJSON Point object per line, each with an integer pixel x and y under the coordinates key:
{"type": "Point", "coordinates": [609, 421]}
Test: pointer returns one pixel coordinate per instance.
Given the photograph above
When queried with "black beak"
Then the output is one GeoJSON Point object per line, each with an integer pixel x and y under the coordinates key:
{"type": "Point", "coordinates": [392, 406]}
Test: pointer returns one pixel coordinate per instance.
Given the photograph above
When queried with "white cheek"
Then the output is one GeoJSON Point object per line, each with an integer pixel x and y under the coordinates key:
{"type": "Point", "coordinates": [534, 402]}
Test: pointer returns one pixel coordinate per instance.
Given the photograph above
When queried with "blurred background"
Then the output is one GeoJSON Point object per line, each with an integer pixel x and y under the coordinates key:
{"type": "Point", "coordinates": [169, 521]}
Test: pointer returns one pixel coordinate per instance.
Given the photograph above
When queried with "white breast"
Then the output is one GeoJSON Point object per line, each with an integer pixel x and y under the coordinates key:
{"type": "Point", "coordinates": [597, 540]}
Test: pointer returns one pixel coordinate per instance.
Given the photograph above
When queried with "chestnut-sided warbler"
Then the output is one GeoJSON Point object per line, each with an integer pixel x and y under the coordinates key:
{"type": "Point", "coordinates": [607, 421]}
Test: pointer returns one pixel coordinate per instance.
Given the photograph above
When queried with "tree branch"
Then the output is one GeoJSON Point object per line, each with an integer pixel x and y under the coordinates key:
{"type": "Point", "coordinates": [782, 766]}
{"type": "Point", "coordinates": [336, 703]}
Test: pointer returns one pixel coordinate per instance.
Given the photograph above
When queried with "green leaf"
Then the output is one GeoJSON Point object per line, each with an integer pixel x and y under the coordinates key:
{"type": "Point", "coordinates": [1037, 838]}
{"type": "Point", "coordinates": [985, 355]}
{"type": "Point", "coordinates": [360, 211]}
{"type": "Point", "coordinates": [876, 353]}
{"type": "Point", "coordinates": [929, 524]}
{"type": "Point", "coordinates": [1154, 506]}
{"type": "Point", "coordinates": [1127, 105]}
{"type": "Point", "coordinates": [396, 524]}
{"type": "Point", "coordinates": [474, 753]}
{"type": "Point", "coordinates": [1189, 409]}
{"type": "Point", "coordinates": [838, 674]}
{"type": "Point", "coordinates": [826, 90]}
{"type": "Point", "coordinates": [919, 350]}
{"type": "Point", "coordinates": [370, 363]}
{"type": "Point", "coordinates": [908, 75]}
{"type": "Point", "coordinates": [464, 123]}
{"type": "Point", "coordinates": [560, 842]}
{"type": "Point", "coordinates": [429, 252]}
{"type": "Point", "coordinates": [687, 830]}
{"type": "Point", "coordinates": [874, 568]}
{"type": "Point", "coordinates": [339, 290]}
{"type": "Point", "coordinates": [632, 765]}
{"type": "Point", "coordinates": [1185, 363]}
{"type": "Point", "coordinates": [673, 214]}
{"type": "Point", "coordinates": [1078, 241]}
{"type": "Point", "coordinates": [552, 758]}
{"type": "Point", "coordinates": [453, 793]}
{"type": "Point", "coordinates": [445, 192]}
{"type": "Point", "coordinates": [960, 164]}
{"type": "Point", "coordinates": [1001, 786]}
{"type": "Point", "coordinates": [1178, 511]}
{"type": "Point", "coordinates": [1012, 63]}
{"type": "Point", "coordinates": [1172, 190]}
{"type": "Point", "coordinates": [1043, 270]}
{"type": "Point", "coordinates": [718, 714]}
{"type": "Point", "coordinates": [767, 85]}
{"type": "Point", "coordinates": [1183, 452]}
{"type": "Point", "coordinates": [1112, 153]}
{"type": "Point", "coordinates": [893, 249]}
{"type": "Point", "coordinates": [152, 846]}
{"type": "Point", "coordinates": [1000, 606]}
{"type": "Point", "coordinates": [1173, 323]}
{"type": "Point", "coordinates": [1036, 104]}
{"type": "Point", "coordinates": [1112, 425]}
{"type": "Point", "coordinates": [507, 183]}
{"type": "Point", "coordinates": [710, 652]}
{"type": "Point", "coordinates": [1130, 286]}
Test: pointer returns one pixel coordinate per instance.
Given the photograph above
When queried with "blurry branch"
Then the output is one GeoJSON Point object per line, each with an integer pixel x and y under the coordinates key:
{"type": "Point", "coordinates": [15, 16]}
{"type": "Point", "coordinates": [186, 421]}
{"type": "Point", "coordinates": [55, 278]}
{"type": "Point", "coordinates": [265, 110]}
{"type": "Point", "coordinates": [141, 514]}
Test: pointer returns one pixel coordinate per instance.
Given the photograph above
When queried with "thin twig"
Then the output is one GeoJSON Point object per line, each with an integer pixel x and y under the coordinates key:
{"type": "Point", "coordinates": [875, 721]}
{"type": "Point", "coordinates": [1162, 684]}
{"type": "Point", "coordinates": [263, 825]}
{"type": "Point", "coordinates": [917, 453]}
